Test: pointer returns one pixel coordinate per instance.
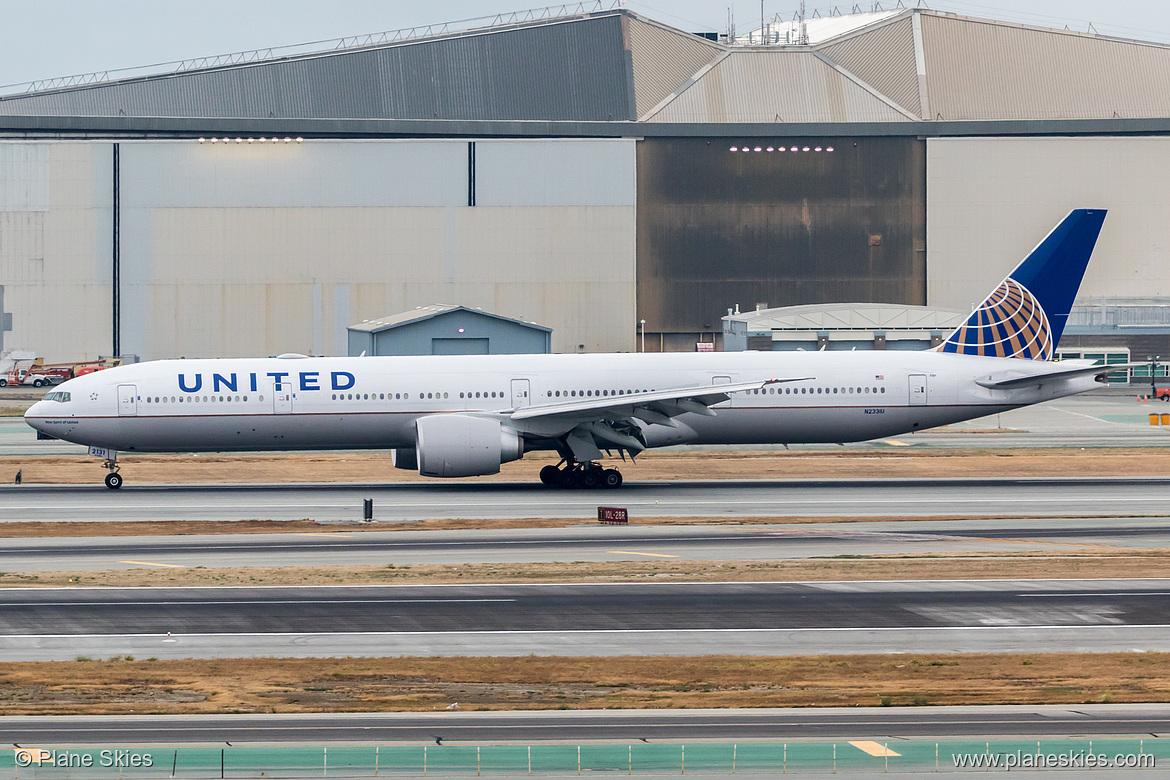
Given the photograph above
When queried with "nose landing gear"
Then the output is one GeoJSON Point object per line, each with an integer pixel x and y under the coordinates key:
{"type": "Point", "coordinates": [581, 475]}
{"type": "Point", "coordinates": [113, 479]}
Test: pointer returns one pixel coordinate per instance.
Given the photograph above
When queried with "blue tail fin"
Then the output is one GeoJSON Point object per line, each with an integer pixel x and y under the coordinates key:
{"type": "Point", "coordinates": [1025, 315]}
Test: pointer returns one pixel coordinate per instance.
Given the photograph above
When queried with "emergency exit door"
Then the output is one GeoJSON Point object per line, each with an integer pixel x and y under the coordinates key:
{"type": "Point", "coordinates": [723, 380]}
{"type": "Point", "coordinates": [520, 393]}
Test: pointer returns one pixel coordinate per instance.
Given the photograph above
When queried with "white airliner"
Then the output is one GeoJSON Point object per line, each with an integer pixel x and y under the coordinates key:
{"type": "Point", "coordinates": [463, 416]}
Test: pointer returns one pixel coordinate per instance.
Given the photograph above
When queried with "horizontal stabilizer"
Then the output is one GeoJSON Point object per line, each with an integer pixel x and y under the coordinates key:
{"type": "Point", "coordinates": [1008, 380]}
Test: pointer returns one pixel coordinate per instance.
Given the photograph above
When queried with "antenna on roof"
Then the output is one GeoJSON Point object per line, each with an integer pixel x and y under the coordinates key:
{"type": "Point", "coordinates": [803, 39]}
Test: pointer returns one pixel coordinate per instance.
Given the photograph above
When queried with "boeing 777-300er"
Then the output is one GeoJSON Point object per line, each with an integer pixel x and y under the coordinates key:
{"type": "Point", "coordinates": [463, 416]}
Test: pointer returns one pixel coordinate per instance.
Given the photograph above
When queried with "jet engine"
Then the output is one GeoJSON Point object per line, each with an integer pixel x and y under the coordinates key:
{"type": "Point", "coordinates": [458, 445]}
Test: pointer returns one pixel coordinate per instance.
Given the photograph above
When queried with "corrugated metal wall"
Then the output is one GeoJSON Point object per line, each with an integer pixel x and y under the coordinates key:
{"type": "Point", "coordinates": [55, 245]}
{"type": "Point", "coordinates": [988, 70]}
{"type": "Point", "coordinates": [991, 200]}
{"type": "Point", "coordinates": [570, 70]}
{"type": "Point", "coordinates": [884, 59]}
{"type": "Point", "coordinates": [719, 228]}
{"type": "Point", "coordinates": [663, 60]}
{"type": "Point", "coordinates": [787, 85]}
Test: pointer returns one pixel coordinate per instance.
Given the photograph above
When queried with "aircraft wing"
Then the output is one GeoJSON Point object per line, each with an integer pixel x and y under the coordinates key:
{"type": "Point", "coordinates": [1008, 380]}
{"type": "Point", "coordinates": [584, 427]}
{"type": "Point", "coordinates": [684, 399]}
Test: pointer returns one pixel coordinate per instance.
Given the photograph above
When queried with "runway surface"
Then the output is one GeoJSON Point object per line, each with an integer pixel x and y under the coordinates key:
{"type": "Point", "coordinates": [588, 619]}
{"type": "Point", "coordinates": [1073, 497]}
{"type": "Point", "coordinates": [773, 542]}
{"type": "Point", "coordinates": [604, 725]}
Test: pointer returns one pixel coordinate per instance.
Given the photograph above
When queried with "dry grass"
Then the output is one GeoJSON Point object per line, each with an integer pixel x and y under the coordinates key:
{"type": "Point", "coordinates": [875, 462]}
{"type": "Point", "coordinates": [1117, 564]}
{"type": "Point", "coordinates": [88, 528]}
{"type": "Point", "coordinates": [414, 684]}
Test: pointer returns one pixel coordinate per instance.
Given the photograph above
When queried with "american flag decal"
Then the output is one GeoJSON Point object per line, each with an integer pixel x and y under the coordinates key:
{"type": "Point", "coordinates": [1010, 323]}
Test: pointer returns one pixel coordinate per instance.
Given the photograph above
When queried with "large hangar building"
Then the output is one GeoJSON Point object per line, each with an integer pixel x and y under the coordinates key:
{"type": "Point", "coordinates": [588, 172]}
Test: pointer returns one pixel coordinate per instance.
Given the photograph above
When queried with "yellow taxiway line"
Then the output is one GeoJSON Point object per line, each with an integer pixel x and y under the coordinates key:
{"type": "Point", "coordinates": [652, 555]}
{"type": "Point", "coordinates": [873, 748]}
{"type": "Point", "coordinates": [148, 563]}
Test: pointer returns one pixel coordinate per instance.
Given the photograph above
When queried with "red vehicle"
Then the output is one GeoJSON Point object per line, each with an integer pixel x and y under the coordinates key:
{"type": "Point", "coordinates": [39, 374]}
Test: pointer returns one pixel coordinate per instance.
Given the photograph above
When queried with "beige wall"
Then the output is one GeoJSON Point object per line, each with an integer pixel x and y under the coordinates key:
{"type": "Point", "coordinates": [55, 244]}
{"type": "Point", "coordinates": [249, 249]}
{"type": "Point", "coordinates": [990, 201]}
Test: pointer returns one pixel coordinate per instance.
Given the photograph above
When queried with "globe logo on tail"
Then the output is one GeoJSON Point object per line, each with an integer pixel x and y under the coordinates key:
{"type": "Point", "coordinates": [1010, 323]}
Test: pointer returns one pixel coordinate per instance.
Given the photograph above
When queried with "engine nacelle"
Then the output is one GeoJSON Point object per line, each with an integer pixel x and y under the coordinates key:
{"type": "Point", "coordinates": [405, 458]}
{"type": "Point", "coordinates": [457, 445]}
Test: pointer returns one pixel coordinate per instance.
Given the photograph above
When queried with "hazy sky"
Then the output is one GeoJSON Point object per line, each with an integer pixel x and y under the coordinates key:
{"type": "Point", "coordinates": [50, 38]}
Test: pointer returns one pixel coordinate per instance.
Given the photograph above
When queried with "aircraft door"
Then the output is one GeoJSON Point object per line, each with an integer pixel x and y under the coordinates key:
{"type": "Point", "coordinates": [282, 398]}
{"type": "Point", "coordinates": [520, 394]}
{"type": "Point", "coordinates": [918, 390]}
{"type": "Point", "coordinates": [127, 400]}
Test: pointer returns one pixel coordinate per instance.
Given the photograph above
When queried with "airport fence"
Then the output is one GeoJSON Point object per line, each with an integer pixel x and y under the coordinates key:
{"type": "Point", "coordinates": [551, 760]}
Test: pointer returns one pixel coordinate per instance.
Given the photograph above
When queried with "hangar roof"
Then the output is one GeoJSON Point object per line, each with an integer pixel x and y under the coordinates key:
{"type": "Point", "coordinates": [421, 313]}
{"type": "Point", "coordinates": [848, 316]}
{"type": "Point", "coordinates": [613, 66]}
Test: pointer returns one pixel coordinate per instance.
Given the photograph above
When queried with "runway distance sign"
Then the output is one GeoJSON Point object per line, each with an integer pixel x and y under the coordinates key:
{"type": "Point", "coordinates": [612, 515]}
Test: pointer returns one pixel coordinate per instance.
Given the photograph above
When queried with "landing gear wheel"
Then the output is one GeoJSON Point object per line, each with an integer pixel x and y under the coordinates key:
{"type": "Point", "coordinates": [566, 478]}
{"type": "Point", "coordinates": [591, 478]}
{"type": "Point", "coordinates": [548, 475]}
{"type": "Point", "coordinates": [611, 478]}
{"type": "Point", "coordinates": [113, 480]}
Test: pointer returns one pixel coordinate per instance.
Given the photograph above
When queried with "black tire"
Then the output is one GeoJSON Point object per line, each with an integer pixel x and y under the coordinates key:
{"type": "Point", "coordinates": [3, 383]}
{"type": "Point", "coordinates": [591, 478]}
{"type": "Point", "coordinates": [38, 383]}
{"type": "Point", "coordinates": [566, 478]}
{"type": "Point", "coordinates": [113, 480]}
{"type": "Point", "coordinates": [548, 475]}
{"type": "Point", "coordinates": [611, 478]}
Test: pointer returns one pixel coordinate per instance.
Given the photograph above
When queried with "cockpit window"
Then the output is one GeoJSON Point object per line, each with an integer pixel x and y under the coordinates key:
{"type": "Point", "coordinates": [58, 395]}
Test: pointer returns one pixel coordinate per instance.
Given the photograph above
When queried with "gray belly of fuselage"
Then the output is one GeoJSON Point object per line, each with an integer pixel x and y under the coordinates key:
{"type": "Point", "coordinates": [246, 432]}
{"type": "Point", "coordinates": [382, 430]}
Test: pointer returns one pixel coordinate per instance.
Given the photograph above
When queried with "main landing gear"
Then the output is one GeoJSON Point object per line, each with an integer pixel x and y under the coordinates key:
{"type": "Point", "coordinates": [581, 475]}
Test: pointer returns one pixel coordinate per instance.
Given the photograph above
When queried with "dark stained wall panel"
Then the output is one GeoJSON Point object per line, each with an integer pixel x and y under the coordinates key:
{"type": "Point", "coordinates": [719, 228]}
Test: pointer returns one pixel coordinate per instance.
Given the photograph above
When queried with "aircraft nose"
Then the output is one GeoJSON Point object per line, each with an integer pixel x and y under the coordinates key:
{"type": "Point", "coordinates": [34, 413]}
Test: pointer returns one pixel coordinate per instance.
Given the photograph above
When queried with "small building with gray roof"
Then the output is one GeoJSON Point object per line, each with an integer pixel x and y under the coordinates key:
{"type": "Point", "coordinates": [444, 329]}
